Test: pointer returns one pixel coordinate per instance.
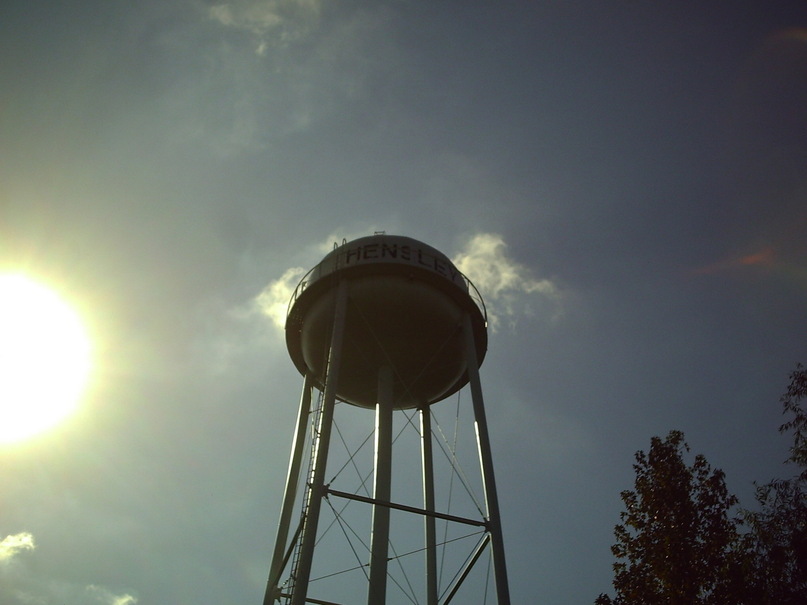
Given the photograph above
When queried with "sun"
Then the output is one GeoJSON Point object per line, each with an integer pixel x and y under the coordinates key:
{"type": "Point", "coordinates": [45, 358]}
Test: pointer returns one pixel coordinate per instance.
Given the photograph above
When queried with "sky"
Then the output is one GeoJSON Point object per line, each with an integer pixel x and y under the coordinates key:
{"type": "Point", "coordinates": [626, 184]}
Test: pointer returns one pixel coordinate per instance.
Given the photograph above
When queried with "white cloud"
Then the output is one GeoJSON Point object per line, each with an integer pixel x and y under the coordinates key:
{"type": "Point", "coordinates": [506, 286]}
{"type": "Point", "coordinates": [245, 91]}
{"type": "Point", "coordinates": [274, 299]}
{"type": "Point", "coordinates": [281, 21]}
{"type": "Point", "coordinates": [14, 544]}
{"type": "Point", "coordinates": [102, 595]}
{"type": "Point", "coordinates": [23, 584]}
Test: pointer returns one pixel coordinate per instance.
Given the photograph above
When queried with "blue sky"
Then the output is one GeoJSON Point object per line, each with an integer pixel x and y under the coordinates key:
{"type": "Point", "coordinates": [626, 183]}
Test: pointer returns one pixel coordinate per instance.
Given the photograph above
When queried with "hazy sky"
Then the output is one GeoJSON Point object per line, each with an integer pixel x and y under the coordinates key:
{"type": "Point", "coordinates": [626, 182]}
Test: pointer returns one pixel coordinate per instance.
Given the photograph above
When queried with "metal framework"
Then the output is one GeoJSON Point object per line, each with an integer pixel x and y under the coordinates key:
{"type": "Point", "coordinates": [294, 550]}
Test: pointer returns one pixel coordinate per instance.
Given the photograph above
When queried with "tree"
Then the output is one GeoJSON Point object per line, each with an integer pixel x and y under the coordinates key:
{"type": "Point", "coordinates": [676, 542]}
{"type": "Point", "coordinates": [776, 544]}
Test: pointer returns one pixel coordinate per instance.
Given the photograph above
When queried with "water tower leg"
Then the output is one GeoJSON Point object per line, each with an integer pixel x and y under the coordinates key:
{"type": "Point", "coordinates": [488, 480]}
{"type": "Point", "coordinates": [317, 489]}
{"type": "Point", "coordinates": [379, 546]}
{"type": "Point", "coordinates": [290, 495]}
{"type": "Point", "coordinates": [428, 504]}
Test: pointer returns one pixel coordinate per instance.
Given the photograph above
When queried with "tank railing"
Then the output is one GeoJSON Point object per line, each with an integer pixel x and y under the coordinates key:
{"type": "Point", "coordinates": [304, 281]}
{"type": "Point", "coordinates": [476, 296]}
{"type": "Point", "coordinates": [473, 292]}
{"type": "Point", "coordinates": [302, 285]}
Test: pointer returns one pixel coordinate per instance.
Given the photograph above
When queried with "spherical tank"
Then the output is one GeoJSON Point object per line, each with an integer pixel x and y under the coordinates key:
{"type": "Point", "coordinates": [404, 309]}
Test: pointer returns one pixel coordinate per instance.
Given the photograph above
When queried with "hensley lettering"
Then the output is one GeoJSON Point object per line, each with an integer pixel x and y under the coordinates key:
{"type": "Point", "coordinates": [377, 251]}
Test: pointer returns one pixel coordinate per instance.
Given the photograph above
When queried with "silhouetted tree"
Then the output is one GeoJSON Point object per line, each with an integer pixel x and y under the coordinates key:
{"type": "Point", "coordinates": [676, 542]}
{"type": "Point", "coordinates": [776, 544]}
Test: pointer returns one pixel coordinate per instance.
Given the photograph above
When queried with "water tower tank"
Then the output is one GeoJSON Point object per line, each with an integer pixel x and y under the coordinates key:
{"type": "Point", "coordinates": [405, 307]}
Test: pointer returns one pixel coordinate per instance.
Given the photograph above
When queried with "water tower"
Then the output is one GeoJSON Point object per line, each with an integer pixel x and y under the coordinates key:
{"type": "Point", "coordinates": [389, 324]}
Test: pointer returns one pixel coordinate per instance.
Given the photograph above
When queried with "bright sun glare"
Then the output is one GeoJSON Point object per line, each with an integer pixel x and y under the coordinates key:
{"type": "Point", "coordinates": [44, 358]}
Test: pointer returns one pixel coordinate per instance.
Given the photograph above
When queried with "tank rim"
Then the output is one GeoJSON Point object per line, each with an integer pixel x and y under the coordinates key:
{"type": "Point", "coordinates": [304, 283]}
{"type": "Point", "coordinates": [308, 291]}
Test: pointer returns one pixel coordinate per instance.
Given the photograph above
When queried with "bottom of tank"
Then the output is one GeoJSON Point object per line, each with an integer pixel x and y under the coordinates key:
{"type": "Point", "coordinates": [396, 321]}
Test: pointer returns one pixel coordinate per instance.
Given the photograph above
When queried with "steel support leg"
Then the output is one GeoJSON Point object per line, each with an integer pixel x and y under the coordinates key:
{"type": "Point", "coordinates": [488, 480]}
{"type": "Point", "coordinates": [320, 453]}
{"type": "Point", "coordinates": [428, 504]}
{"type": "Point", "coordinates": [379, 546]}
{"type": "Point", "coordinates": [290, 495]}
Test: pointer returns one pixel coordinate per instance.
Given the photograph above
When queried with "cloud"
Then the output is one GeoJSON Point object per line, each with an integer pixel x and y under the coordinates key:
{"type": "Point", "coordinates": [14, 544]}
{"type": "Point", "coordinates": [275, 21]}
{"type": "Point", "coordinates": [507, 286]}
{"type": "Point", "coordinates": [274, 299]}
{"type": "Point", "coordinates": [22, 583]}
{"type": "Point", "coordinates": [249, 73]}
{"type": "Point", "coordinates": [102, 595]}
{"type": "Point", "coordinates": [765, 257]}
{"type": "Point", "coordinates": [228, 333]}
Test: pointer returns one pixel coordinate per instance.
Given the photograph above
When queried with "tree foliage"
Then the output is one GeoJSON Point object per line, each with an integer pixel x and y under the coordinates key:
{"type": "Point", "coordinates": [776, 544]}
{"type": "Point", "coordinates": [791, 402]}
{"type": "Point", "coordinates": [675, 539]}
{"type": "Point", "coordinates": [677, 544]}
